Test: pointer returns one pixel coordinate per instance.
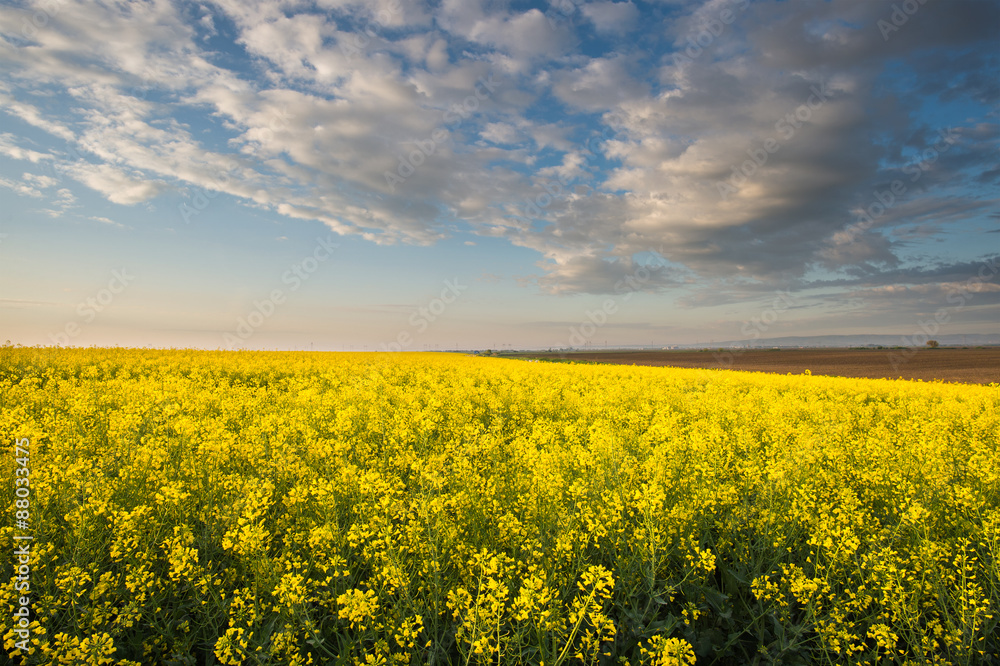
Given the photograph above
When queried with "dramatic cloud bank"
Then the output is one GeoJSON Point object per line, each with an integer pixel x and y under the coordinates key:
{"type": "Point", "coordinates": [848, 145]}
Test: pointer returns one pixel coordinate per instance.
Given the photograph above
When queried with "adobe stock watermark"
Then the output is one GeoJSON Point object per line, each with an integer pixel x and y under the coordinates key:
{"type": "Point", "coordinates": [40, 17]}
{"type": "Point", "coordinates": [424, 148]}
{"type": "Point", "coordinates": [957, 300]}
{"type": "Point", "coordinates": [786, 127]}
{"type": "Point", "coordinates": [88, 309]}
{"type": "Point", "coordinates": [711, 29]}
{"type": "Point", "coordinates": [258, 138]}
{"type": "Point", "coordinates": [560, 12]}
{"type": "Point", "coordinates": [639, 280]}
{"type": "Point", "coordinates": [352, 46]}
{"type": "Point", "coordinates": [886, 199]}
{"type": "Point", "coordinates": [424, 316]}
{"type": "Point", "coordinates": [856, 303]}
{"type": "Point", "coordinates": [534, 207]}
{"type": "Point", "coordinates": [202, 197]}
{"type": "Point", "coordinates": [21, 618]}
{"type": "Point", "coordinates": [278, 121]}
{"type": "Point", "coordinates": [899, 17]}
{"type": "Point", "coordinates": [130, 99]}
{"type": "Point", "coordinates": [296, 275]}
{"type": "Point", "coordinates": [133, 98]}
{"type": "Point", "coordinates": [756, 326]}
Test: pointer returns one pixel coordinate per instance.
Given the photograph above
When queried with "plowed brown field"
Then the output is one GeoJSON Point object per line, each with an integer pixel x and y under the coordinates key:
{"type": "Point", "coordinates": [971, 366]}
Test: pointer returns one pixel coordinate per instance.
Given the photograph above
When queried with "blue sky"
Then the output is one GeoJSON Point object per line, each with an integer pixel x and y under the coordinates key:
{"type": "Point", "coordinates": [340, 174]}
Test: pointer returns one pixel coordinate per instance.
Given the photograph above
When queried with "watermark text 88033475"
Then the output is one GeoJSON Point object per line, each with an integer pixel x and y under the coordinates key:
{"type": "Point", "coordinates": [22, 544]}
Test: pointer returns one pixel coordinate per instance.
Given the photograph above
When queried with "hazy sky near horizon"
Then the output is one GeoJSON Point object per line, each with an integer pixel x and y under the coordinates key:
{"type": "Point", "coordinates": [345, 174]}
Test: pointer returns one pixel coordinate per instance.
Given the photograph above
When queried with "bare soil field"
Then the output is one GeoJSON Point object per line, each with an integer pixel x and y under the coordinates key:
{"type": "Point", "coordinates": [970, 366]}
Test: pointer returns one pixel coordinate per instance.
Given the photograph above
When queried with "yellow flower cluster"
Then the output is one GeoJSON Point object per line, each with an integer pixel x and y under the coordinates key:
{"type": "Point", "coordinates": [294, 508]}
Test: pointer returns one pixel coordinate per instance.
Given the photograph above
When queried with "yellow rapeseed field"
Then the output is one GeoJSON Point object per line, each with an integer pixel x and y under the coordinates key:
{"type": "Point", "coordinates": [196, 507]}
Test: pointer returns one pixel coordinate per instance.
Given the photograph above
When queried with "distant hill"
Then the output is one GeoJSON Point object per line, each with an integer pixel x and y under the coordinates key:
{"type": "Point", "coordinates": [850, 341]}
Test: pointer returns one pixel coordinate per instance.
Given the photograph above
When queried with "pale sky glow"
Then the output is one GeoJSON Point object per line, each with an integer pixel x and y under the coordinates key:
{"type": "Point", "coordinates": [337, 174]}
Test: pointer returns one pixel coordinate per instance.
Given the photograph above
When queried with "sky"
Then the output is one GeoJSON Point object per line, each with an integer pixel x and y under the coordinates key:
{"type": "Point", "coordinates": [408, 175]}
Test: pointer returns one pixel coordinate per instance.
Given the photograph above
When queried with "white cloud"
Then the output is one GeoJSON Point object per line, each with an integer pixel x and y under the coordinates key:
{"type": "Point", "coordinates": [22, 189]}
{"type": "Point", "coordinates": [63, 201]}
{"type": "Point", "coordinates": [9, 147]}
{"type": "Point", "coordinates": [114, 183]}
{"type": "Point", "coordinates": [603, 83]}
{"type": "Point", "coordinates": [572, 168]}
{"type": "Point", "coordinates": [109, 222]}
{"type": "Point", "coordinates": [64, 198]}
{"type": "Point", "coordinates": [36, 118]}
{"type": "Point", "coordinates": [42, 182]}
{"type": "Point", "coordinates": [500, 133]}
{"type": "Point", "coordinates": [612, 17]}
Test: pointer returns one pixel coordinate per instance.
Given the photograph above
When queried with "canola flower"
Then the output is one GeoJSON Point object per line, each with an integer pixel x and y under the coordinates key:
{"type": "Point", "coordinates": [294, 508]}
